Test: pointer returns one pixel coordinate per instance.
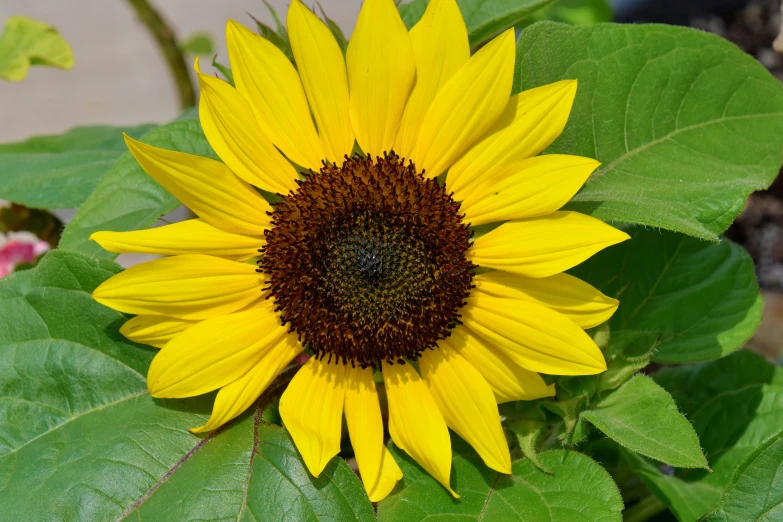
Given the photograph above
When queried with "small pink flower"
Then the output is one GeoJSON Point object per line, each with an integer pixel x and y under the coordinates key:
{"type": "Point", "coordinates": [301, 358]}
{"type": "Point", "coordinates": [17, 248]}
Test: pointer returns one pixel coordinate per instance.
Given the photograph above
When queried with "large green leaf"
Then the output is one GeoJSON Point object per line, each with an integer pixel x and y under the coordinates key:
{"type": "Point", "coordinates": [577, 490]}
{"type": "Point", "coordinates": [209, 485]}
{"type": "Point", "coordinates": [685, 124]}
{"type": "Point", "coordinates": [643, 417]}
{"type": "Point", "coordinates": [734, 404]}
{"type": "Point", "coordinates": [253, 472]}
{"type": "Point", "coordinates": [127, 198]}
{"type": "Point", "coordinates": [483, 18]}
{"type": "Point", "coordinates": [81, 438]}
{"type": "Point", "coordinates": [756, 490]}
{"type": "Point", "coordinates": [27, 42]}
{"type": "Point", "coordinates": [688, 501]}
{"type": "Point", "coordinates": [575, 12]}
{"type": "Point", "coordinates": [60, 171]}
{"type": "Point", "coordinates": [690, 300]}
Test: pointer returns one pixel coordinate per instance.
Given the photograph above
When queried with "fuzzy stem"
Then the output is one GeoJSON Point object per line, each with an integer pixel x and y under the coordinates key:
{"type": "Point", "coordinates": [167, 43]}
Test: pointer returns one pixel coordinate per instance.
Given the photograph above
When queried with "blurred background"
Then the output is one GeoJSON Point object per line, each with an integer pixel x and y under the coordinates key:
{"type": "Point", "coordinates": [120, 78]}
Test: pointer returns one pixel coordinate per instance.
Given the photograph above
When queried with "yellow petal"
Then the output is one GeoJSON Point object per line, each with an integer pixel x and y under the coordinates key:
{"type": "Point", "coordinates": [533, 336]}
{"type": "Point", "coordinates": [416, 424]}
{"type": "Point", "coordinates": [154, 330]}
{"type": "Point", "coordinates": [440, 48]}
{"type": "Point", "coordinates": [268, 80]}
{"type": "Point", "coordinates": [563, 293]}
{"type": "Point", "coordinates": [541, 247]}
{"type": "Point", "coordinates": [467, 106]}
{"type": "Point", "coordinates": [188, 287]}
{"type": "Point", "coordinates": [215, 352]}
{"type": "Point", "coordinates": [365, 427]}
{"type": "Point", "coordinates": [467, 404]}
{"type": "Point", "coordinates": [534, 187]}
{"type": "Point", "coordinates": [530, 123]}
{"type": "Point", "coordinates": [388, 477]}
{"type": "Point", "coordinates": [381, 70]}
{"type": "Point", "coordinates": [312, 411]}
{"type": "Point", "coordinates": [234, 398]}
{"type": "Point", "coordinates": [322, 68]}
{"type": "Point", "coordinates": [236, 137]}
{"type": "Point", "coordinates": [205, 186]}
{"type": "Point", "coordinates": [193, 236]}
{"type": "Point", "coordinates": [508, 380]}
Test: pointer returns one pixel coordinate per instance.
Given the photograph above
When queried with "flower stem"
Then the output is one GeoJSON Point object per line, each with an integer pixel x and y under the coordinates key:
{"type": "Point", "coordinates": [645, 509]}
{"type": "Point", "coordinates": [167, 43]}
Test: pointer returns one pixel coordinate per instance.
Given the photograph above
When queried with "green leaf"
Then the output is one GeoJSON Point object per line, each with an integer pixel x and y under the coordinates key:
{"type": "Point", "coordinates": [484, 19]}
{"type": "Point", "coordinates": [282, 489]}
{"type": "Point", "coordinates": [411, 12]}
{"type": "Point", "coordinates": [252, 471]}
{"type": "Point", "coordinates": [224, 70]}
{"type": "Point", "coordinates": [575, 12]}
{"type": "Point", "coordinates": [573, 430]}
{"type": "Point", "coordinates": [127, 198]}
{"type": "Point", "coordinates": [527, 433]}
{"type": "Point", "coordinates": [80, 437]}
{"type": "Point", "coordinates": [619, 370]}
{"type": "Point", "coordinates": [578, 490]}
{"type": "Point", "coordinates": [198, 43]}
{"type": "Point", "coordinates": [734, 404]}
{"type": "Point", "coordinates": [210, 484]}
{"type": "Point", "coordinates": [279, 35]}
{"type": "Point", "coordinates": [688, 299]}
{"type": "Point", "coordinates": [26, 42]}
{"type": "Point", "coordinates": [338, 34]}
{"type": "Point", "coordinates": [756, 490]}
{"type": "Point", "coordinates": [643, 417]}
{"type": "Point", "coordinates": [60, 171]}
{"type": "Point", "coordinates": [688, 501]}
{"type": "Point", "coordinates": [685, 124]}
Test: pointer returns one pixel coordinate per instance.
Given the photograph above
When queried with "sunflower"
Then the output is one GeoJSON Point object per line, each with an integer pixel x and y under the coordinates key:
{"type": "Point", "coordinates": [367, 258]}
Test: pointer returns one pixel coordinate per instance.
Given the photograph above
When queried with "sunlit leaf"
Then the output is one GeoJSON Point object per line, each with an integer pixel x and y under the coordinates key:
{"type": "Point", "coordinates": [575, 12]}
{"type": "Point", "coordinates": [27, 42]}
{"type": "Point", "coordinates": [60, 171]}
{"type": "Point", "coordinates": [734, 404]}
{"type": "Point", "coordinates": [577, 490]}
{"type": "Point", "coordinates": [127, 198]}
{"type": "Point", "coordinates": [682, 299]}
{"type": "Point", "coordinates": [685, 123]}
{"type": "Point", "coordinates": [756, 490]}
{"type": "Point", "coordinates": [643, 417]}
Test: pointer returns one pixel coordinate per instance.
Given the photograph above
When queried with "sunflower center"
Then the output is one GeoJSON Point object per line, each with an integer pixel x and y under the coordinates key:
{"type": "Point", "coordinates": [366, 262]}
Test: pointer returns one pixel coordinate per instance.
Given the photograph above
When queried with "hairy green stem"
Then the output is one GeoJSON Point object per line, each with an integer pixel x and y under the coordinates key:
{"type": "Point", "coordinates": [167, 43]}
{"type": "Point", "coordinates": [645, 509]}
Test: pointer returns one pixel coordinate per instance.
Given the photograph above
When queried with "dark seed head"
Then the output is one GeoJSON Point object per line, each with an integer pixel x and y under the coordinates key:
{"type": "Point", "coordinates": [366, 262]}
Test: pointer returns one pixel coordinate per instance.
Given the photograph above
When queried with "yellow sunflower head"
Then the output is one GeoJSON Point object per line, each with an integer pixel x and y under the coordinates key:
{"type": "Point", "coordinates": [367, 258]}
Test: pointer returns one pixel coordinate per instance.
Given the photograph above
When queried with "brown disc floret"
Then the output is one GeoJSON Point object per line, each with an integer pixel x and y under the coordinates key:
{"type": "Point", "coordinates": [366, 261]}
